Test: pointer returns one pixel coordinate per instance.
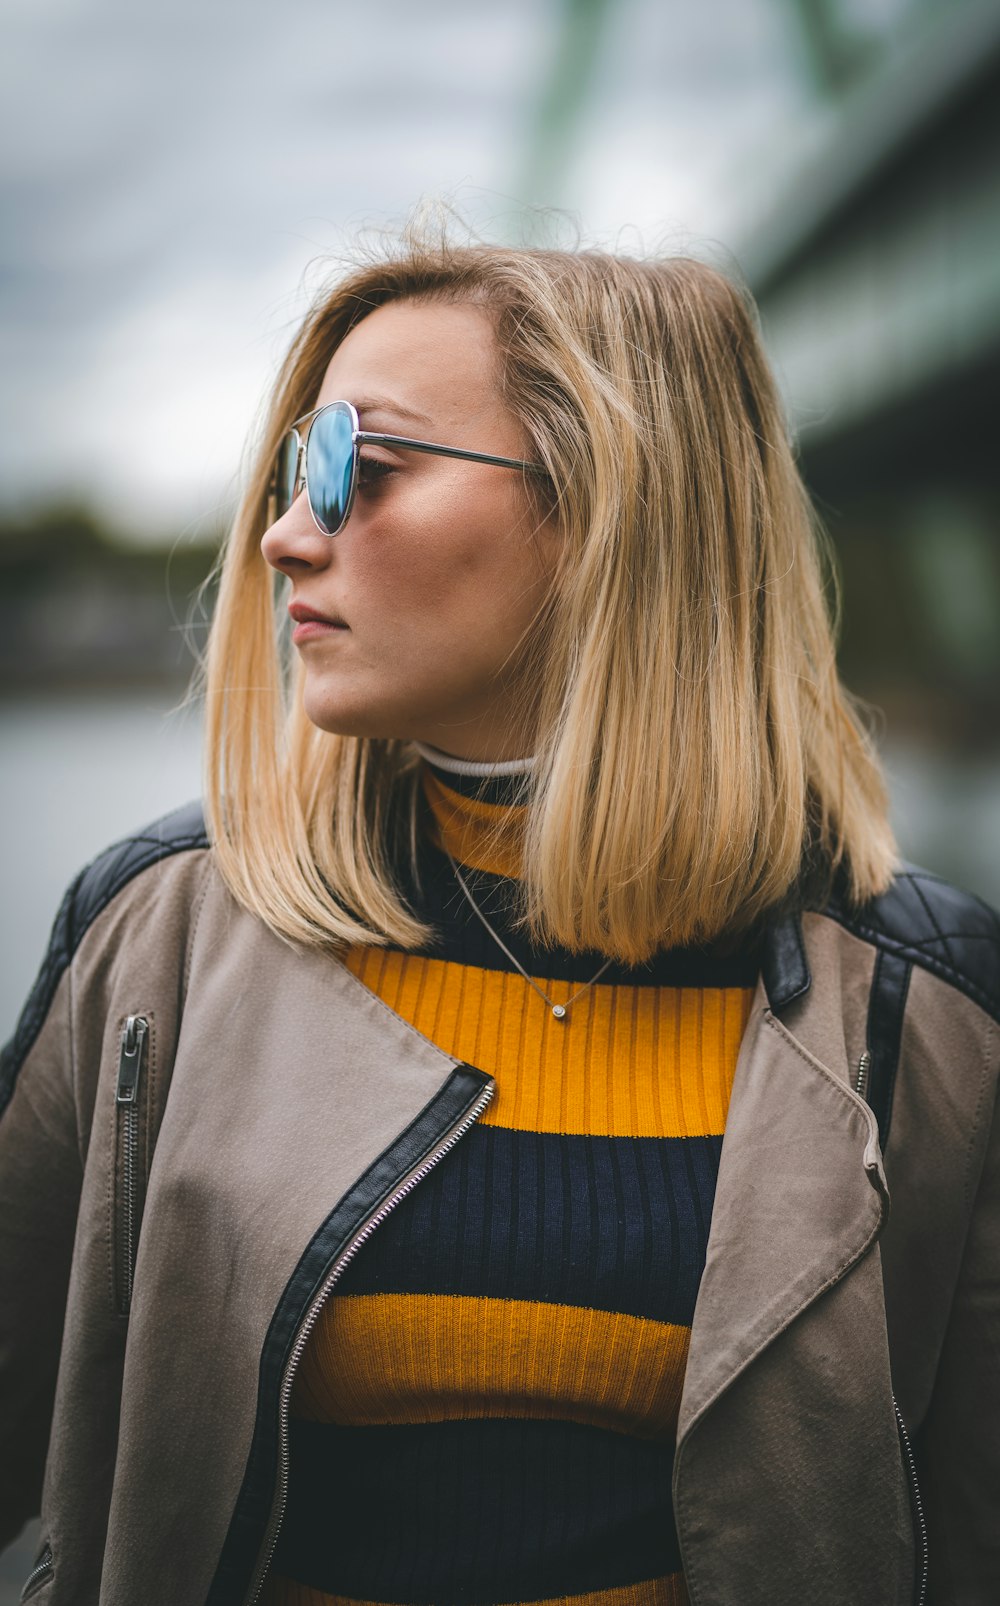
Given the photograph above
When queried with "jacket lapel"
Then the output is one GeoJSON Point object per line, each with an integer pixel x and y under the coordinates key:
{"type": "Point", "coordinates": [787, 1400]}
{"type": "Point", "coordinates": [801, 1196]}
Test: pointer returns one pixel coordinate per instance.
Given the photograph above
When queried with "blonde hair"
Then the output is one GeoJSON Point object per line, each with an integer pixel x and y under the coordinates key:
{"type": "Point", "coordinates": [697, 761]}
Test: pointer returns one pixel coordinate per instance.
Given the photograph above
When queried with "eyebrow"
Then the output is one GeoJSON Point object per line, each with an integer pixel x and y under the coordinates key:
{"type": "Point", "coordinates": [385, 404]}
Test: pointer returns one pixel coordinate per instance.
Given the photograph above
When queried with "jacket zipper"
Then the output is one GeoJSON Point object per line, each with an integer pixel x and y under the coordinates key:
{"type": "Point", "coordinates": [312, 1315]}
{"type": "Point", "coordinates": [131, 1060]}
{"type": "Point", "coordinates": [42, 1566]}
{"type": "Point", "coordinates": [861, 1080]}
{"type": "Point", "coordinates": [918, 1505]}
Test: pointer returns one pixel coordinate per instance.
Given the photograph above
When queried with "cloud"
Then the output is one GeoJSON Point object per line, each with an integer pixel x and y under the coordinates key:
{"type": "Point", "coordinates": [167, 174]}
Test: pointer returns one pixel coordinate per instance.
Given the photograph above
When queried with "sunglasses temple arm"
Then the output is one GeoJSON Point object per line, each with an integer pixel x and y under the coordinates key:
{"type": "Point", "coordinates": [366, 437]}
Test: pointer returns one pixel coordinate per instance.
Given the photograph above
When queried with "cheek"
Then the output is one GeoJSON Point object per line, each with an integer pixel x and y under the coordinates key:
{"type": "Point", "coordinates": [454, 555]}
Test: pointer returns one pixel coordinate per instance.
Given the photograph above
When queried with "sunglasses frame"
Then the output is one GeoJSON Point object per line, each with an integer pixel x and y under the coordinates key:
{"type": "Point", "coordinates": [365, 437]}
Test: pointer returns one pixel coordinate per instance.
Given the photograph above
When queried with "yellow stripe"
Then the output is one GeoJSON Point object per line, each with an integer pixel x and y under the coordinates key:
{"type": "Point", "coordinates": [486, 836]}
{"type": "Point", "coordinates": [374, 1359]}
{"type": "Point", "coordinates": [668, 1591]}
{"type": "Point", "coordinates": [628, 1062]}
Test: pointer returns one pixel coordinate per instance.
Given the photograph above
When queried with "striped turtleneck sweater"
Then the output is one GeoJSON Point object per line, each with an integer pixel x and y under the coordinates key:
{"type": "Point", "coordinates": [486, 1409]}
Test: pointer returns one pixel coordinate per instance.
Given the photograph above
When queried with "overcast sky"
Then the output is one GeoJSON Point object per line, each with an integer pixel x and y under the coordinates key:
{"type": "Point", "coordinates": [176, 177]}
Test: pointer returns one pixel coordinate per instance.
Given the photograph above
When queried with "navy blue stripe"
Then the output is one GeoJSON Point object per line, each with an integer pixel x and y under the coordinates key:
{"type": "Point", "coordinates": [475, 1511]}
{"type": "Point", "coordinates": [617, 1224]}
{"type": "Point", "coordinates": [462, 938]}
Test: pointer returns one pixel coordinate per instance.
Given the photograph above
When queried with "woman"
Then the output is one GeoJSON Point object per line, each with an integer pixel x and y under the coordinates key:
{"type": "Point", "coordinates": [366, 1227]}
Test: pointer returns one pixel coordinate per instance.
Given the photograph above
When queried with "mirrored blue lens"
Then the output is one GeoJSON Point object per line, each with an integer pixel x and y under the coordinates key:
{"type": "Point", "coordinates": [284, 474]}
{"type": "Point", "coordinates": [329, 467]}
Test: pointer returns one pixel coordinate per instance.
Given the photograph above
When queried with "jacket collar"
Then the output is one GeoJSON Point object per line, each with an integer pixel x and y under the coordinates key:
{"type": "Point", "coordinates": [784, 962]}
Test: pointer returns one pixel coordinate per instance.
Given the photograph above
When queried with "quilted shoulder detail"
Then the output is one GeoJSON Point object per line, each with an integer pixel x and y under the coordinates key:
{"type": "Point", "coordinates": [935, 925]}
{"type": "Point", "coordinates": [98, 883]}
{"type": "Point", "coordinates": [178, 832]}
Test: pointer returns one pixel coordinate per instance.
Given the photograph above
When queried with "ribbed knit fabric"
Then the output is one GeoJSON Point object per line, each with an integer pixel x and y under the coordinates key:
{"type": "Point", "coordinates": [486, 1409]}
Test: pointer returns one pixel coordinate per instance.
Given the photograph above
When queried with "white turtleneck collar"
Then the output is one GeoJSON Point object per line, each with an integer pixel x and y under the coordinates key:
{"type": "Point", "coordinates": [471, 766]}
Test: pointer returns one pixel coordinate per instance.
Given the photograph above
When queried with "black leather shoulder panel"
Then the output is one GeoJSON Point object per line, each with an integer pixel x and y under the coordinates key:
{"type": "Point", "coordinates": [936, 926]}
{"type": "Point", "coordinates": [91, 891]}
{"type": "Point", "coordinates": [178, 832]}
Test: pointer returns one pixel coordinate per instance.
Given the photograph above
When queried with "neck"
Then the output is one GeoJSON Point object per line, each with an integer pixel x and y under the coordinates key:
{"type": "Point", "coordinates": [477, 808]}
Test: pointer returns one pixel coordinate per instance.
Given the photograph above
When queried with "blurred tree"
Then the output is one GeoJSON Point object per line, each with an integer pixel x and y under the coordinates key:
{"type": "Point", "coordinates": [78, 606]}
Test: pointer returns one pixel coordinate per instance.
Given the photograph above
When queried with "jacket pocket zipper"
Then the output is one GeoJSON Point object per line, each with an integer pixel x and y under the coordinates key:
{"type": "Point", "coordinates": [309, 1321]}
{"type": "Point", "coordinates": [919, 1521]}
{"type": "Point", "coordinates": [861, 1078]}
{"type": "Point", "coordinates": [38, 1574]}
{"type": "Point", "coordinates": [131, 1064]}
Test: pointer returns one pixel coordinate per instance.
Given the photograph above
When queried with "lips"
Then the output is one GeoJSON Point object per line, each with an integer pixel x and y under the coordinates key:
{"type": "Point", "coordinates": [311, 625]}
{"type": "Point", "coordinates": [303, 615]}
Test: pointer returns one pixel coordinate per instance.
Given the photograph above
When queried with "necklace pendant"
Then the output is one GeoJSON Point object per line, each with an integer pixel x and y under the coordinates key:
{"type": "Point", "coordinates": [559, 1011]}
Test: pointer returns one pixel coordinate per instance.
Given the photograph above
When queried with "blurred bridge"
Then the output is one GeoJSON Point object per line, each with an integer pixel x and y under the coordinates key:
{"type": "Point", "coordinates": [871, 241]}
{"type": "Point", "coordinates": [878, 271]}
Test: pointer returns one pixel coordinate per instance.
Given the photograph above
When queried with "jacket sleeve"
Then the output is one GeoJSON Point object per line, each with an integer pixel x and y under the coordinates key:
{"type": "Point", "coordinates": [121, 904]}
{"type": "Point", "coordinates": [959, 1446]}
{"type": "Point", "coordinates": [40, 1180]}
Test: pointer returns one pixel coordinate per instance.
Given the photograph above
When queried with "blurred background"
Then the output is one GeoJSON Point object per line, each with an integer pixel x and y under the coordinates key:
{"type": "Point", "coordinates": [177, 182]}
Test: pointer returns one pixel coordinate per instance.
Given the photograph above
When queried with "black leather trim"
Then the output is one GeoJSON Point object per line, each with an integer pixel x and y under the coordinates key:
{"type": "Point", "coordinates": [784, 965]}
{"type": "Point", "coordinates": [90, 893]}
{"type": "Point", "coordinates": [936, 926]}
{"type": "Point", "coordinates": [886, 1007]}
{"type": "Point", "coordinates": [252, 1511]}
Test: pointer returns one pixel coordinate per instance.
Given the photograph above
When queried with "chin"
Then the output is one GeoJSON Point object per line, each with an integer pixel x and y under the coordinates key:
{"type": "Point", "coordinates": [337, 719]}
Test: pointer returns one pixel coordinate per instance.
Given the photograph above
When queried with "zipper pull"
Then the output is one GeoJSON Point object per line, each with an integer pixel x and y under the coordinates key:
{"type": "Point", "coordinates": [861, 1082]}
{"type": "Point", "coordinates": [130, 1058]}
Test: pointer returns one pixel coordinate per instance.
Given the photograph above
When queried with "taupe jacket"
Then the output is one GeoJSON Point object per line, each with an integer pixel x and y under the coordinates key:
{"type": "Point", "coordinates": [144, 1374]}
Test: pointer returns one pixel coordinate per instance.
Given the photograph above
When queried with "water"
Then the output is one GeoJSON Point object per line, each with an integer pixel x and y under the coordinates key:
{"type": "Point", "coordinates": [77, 773]}
{"type": "Point", "coordinates": [80, 771]}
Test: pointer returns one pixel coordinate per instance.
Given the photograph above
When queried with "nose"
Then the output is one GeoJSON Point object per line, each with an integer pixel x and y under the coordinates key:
{"type": "Point", "coordinates": [294, 544]}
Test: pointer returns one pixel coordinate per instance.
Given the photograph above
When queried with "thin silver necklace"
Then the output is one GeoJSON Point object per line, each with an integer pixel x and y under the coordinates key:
{"type": "Point", "coordinates": [558, 1010]}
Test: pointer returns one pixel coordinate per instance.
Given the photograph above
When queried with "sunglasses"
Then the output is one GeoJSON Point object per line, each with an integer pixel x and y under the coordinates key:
{"type": "Point", "coordinates": [325, 458]}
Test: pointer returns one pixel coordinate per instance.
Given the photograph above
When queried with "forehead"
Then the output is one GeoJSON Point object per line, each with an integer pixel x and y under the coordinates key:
{"type": "Point", "coordinates": [434, 358]}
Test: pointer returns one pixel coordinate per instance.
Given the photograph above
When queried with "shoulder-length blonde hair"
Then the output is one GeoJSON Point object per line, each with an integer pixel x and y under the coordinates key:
{"type": "Point", "coordinates": [696, 756]}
